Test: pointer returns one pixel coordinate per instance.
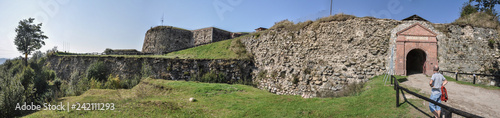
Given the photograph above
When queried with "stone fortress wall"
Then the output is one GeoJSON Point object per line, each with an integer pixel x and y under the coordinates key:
{"type": "Point", "coordinates": [468, 49]}
{"type": "Point", "coordinates": [165, 39]}
{"type": "Point", "coordinates": [160, 68]}
{"type": "Point", "coordinates": [321, 61]}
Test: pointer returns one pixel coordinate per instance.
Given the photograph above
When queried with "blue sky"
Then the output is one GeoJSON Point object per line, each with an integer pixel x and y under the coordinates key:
{"type": "Point", "coordinates": [94, 25]}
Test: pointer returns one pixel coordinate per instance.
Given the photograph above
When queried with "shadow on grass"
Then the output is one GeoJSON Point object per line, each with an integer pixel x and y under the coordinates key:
{"type": "Point", "coordinates": [402, 79]}
{"type": "Point", "coordinates": [411, 104]}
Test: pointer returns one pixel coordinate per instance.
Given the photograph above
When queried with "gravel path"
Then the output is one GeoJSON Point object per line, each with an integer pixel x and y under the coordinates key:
{"type": "Point", "coordinates": [475, 100]}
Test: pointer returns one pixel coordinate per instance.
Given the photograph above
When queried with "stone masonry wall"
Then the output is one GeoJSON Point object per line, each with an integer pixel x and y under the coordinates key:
{"type": "Point", "coordinates": [219, 35]}
{"type": "Point", "coordinates": [467, 49]}
{"type": "Point", "coordinates": [202, 36]}
{"type": "Point", "coordinates": [161, 68]}
{"type": "Point", "coordinates": [163, 39]}
{"type": "Point", "coordinates": [320, 61]}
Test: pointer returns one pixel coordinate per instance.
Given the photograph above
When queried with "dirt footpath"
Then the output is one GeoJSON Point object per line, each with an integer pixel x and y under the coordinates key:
{"type": "Point", "coordinates": [475, 100]}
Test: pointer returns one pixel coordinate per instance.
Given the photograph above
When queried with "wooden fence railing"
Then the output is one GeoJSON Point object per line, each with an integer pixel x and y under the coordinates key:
{"type": "Point", "coordinates": [449, 110]}
{"type": "Point", "coordinates": [473, 74]}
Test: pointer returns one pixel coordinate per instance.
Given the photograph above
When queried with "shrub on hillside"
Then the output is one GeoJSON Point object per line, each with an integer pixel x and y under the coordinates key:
{"type": "Point", "coordinates": [238, 48]}
{"type": "Point", "coordinates": [467, 9]}
{"type": "Point", "coordinates": [98, 71]}
{"type": "Point", "coordinates": [113, 82]}
{"type": "Point", "coordinates": [213, 77]}
{"type": "Point", "coordinates": [19, 84]}
{"type": "Point", "coordinates": [11, 93]}
{"type": "Point", "coordinates": [130, 83]}
{"type": "Point", "coordinates": [77, 85]}
{"type": "Point", "coordinates": [478, 19]}
{"type": "Point", "coordinates": [336, 17]}
{"type": "Point", "coordinates": [288, 25]}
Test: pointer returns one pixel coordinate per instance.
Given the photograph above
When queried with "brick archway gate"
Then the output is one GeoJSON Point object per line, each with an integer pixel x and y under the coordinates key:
{"type": "Point", "coordinates": [416, 50]}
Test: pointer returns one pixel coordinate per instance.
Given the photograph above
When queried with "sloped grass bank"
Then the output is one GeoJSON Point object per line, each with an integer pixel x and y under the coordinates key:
{"type": "Point", "coordinates": [163, 98]}
{"type": "Point", "coordinates": [226, 49]}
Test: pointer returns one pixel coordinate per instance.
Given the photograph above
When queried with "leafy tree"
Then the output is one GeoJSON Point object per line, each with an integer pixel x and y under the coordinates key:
{"type": "Point", "coordinates": [29, 37]}
{"type": "Point", "coordinates": [98, 71]}
{"type": "Point", "coordinates": [108, 51]}
{"type": "Point", "coordinates": [467, 9]}
{"type": "Point", "coordinates": [487, 6]}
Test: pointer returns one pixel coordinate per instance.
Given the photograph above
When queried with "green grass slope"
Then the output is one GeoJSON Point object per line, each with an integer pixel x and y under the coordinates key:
{"type": "Point", "coordinates": [163, 98]}
{"type": "Point", "coordinates": [227, 49]}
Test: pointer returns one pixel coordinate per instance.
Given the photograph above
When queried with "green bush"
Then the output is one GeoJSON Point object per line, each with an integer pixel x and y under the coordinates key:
{"type": "Point", "coordinates": [108, 51]}
{"type": "Point", "coordinates": [467, 9]}
{"type": "Point", "coordinates": [130, 83]}
{"type": "Point", "coordinates": [98, 70]}
{"type": "Point", "coordinates": [19, 84]}
{"type": "Point", "coordinates": [11, 93]}
{"type": "Point", "coordinates": [113, 82]}
{"type": "Point", "coordinates": [76, 85]}
{"type": "Point", "coordinates": [211, 77]}
{"type": "Point", "coordinates": [95, 84]}
{"type": "Point", "coordinates": [491, 43]}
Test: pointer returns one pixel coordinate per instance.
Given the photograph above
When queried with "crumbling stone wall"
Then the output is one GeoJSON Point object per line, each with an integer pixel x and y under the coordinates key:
{"type": "Point", "coordinates": [164, 39]}
{"type": "Point", "coordinates": [209, 35]}
{"type": "Point", "coordinates": [468, 49]}
{"type": "Point", "coordinates": [202, 36]}
{"type": "Point", "coordinates": [219, 35]}
{"type": "Point", "coordinates": [320, 60]}
{"type": "Point", "coordinates": [161, 68]}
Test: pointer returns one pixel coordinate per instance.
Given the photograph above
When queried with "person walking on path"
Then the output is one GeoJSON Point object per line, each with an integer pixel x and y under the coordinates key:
{"type": "Point", "coordinates": [437, 80]}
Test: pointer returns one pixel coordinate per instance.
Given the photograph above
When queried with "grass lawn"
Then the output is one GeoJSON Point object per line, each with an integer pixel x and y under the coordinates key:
{"type": "Point", "coordinates": [164, 98]}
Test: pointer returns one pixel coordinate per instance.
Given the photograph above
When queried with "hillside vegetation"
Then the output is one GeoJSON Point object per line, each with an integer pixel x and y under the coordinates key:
{"type": "Point", "coordinates": [163, 98]}
{"type": "Point", "coordinates": [478, 19]}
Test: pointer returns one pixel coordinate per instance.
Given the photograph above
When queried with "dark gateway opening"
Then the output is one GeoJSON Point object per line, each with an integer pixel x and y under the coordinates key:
{"type": "Point", "coordinates": [415, 61]}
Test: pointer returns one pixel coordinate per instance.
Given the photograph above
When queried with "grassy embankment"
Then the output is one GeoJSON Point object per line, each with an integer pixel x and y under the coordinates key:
{"type": "Point", "coordinates": [163, 98]}
{"type": "Point", "coordinates": [227, 49]}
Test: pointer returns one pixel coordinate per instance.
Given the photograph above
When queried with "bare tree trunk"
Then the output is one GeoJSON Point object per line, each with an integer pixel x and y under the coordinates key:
{"type": "Point", "coordinates": [26, 59]}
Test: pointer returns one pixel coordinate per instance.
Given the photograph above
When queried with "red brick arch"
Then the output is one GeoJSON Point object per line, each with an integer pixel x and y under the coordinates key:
{"type": "Point", "coordinates": [414, 37]}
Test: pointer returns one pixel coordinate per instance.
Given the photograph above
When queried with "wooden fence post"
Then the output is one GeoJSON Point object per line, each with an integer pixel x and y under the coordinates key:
{"type": "Point", "coordinates": [396, 86]}
{"type": "Point", "coordinates": [446, 113]}
{"type": "Point", "coordinates": [456, 75]}
{"type": "Point", "coordinates": [474, 81]}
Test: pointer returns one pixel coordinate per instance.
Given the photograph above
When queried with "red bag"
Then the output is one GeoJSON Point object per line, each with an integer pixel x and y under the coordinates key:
{"type": "Point", "coordinates": [444, 94]}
